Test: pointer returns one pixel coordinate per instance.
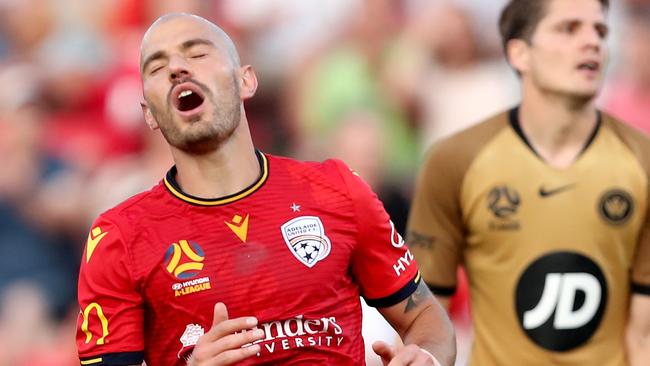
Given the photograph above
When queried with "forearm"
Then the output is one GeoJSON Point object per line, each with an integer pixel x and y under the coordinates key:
{"type": "Point", "coordinates": [637, 334]}
{"type": "Point", "coordinates": [433, 332]}
{"type": "Point", "coordinates": [638, 346]}
{"type": "Point", "coordinates": [445, 302]}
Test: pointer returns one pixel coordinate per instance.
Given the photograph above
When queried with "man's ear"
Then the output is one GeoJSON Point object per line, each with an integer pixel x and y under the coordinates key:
{"type": "Point", "coordinates": [247, 82]}
{"type": "Point", "coordinates": [518, 52]}
{"type": "Point", "coordinates": [148, 117]}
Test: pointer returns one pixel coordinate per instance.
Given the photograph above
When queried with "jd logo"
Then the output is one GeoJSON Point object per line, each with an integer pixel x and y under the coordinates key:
{"type": "Point", "coordinates": [559, 295]}
{"type": "Point", "coordinates": [560, 300]}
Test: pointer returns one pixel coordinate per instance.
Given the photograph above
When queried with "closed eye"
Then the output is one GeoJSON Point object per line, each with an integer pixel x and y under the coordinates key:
{"type": "Point", "coordinates": [201, 55]}
{"type": "Point", "coordinates": [155, 70]}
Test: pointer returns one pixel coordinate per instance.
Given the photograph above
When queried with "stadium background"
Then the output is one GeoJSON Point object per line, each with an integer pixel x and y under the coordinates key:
{"type": "Point", "coordinates": [373, 82]}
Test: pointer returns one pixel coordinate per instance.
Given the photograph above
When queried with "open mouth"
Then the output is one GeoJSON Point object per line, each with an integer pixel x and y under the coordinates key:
{"type": "Point", "coordinates": [589, 66]}
{"type": "Point", "coordinates": [187, 97]}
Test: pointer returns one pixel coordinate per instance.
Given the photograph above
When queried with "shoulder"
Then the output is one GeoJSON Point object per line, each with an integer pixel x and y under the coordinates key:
{"type": "Point", "coordinates": [330, 178]}
{"type": "Point", "coordinates": [460, 149]}
{"type": "Point", "coordinates": [635, 140]}
{"type": "Point", "coordinates": [128, 211]}
{"type": "Point", "coordinates": [314, 171]}
{"type": "Point", "coordinates": [627, 133]}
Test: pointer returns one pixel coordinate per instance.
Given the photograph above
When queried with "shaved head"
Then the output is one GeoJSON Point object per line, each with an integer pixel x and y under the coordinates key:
{"type": "Point", "coordinates": [192, 79]}
{"type": "Point", "coordinates": [217, 35]}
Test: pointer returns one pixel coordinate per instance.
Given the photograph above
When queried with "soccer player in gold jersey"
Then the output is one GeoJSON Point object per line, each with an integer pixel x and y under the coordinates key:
{"type": "Point", "coordinates": [546, 205]}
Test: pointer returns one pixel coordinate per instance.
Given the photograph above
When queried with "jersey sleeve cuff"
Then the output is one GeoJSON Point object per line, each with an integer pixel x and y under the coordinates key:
{"type": "Point", "coordinates": [641, 289]}
{"type": "Point", "coordinates": [114, 359]}
{"type": "Point", "coordinates": [442, 290]}
{"type": "Point", "coordinates": [397, 296]}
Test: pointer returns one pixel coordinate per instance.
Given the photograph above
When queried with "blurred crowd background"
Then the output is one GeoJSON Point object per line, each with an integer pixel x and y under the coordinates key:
{"type": "Point", "coordinates": [373, 82]}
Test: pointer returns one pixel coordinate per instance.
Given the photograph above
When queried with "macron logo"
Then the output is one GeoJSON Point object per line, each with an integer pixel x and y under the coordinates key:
{"type": "Point", "coordinates": [94, 237]}
{"type": "Point", "coordinates": [239, 227]}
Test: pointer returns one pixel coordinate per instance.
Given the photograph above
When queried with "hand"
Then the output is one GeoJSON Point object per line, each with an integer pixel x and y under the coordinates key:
{"type": "Point", "coordinates": [222, 344]}
{"type": "Point", "coordinates": [411, 355]}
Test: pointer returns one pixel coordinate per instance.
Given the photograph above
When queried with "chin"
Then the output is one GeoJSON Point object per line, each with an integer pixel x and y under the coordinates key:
{"type": "Point", "coordinates": [577, 92]}
{"type": "Point", "coordinates": [199, 144]}
{"type": "Point", "coordinates": [579, 99]}
{"type": "Point", "coordinates": [587, 93]}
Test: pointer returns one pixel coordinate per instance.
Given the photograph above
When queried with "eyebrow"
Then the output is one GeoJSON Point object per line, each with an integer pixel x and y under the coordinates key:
{"type": "Point", "coordinates": [184, 46]}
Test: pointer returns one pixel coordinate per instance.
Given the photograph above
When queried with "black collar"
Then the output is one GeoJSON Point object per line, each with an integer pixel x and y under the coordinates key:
{"type": "Point", "coordinates": [175, 189]}
{"type": "Point", "coordinates": [513, 117]}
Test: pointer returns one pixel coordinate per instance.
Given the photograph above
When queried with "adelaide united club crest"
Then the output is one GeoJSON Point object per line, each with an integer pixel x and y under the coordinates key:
{"type": "Point", "coordinates": [305, 237]}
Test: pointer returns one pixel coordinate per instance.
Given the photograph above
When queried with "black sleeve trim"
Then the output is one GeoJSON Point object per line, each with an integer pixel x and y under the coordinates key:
{"type": "Point", "coordinates": [114, 359]}
{"type": "Point", "coordinates": [641, 289]}
{"type": "Point", "coordinates": [442, 291]}
{"type": "Point", "coordinates": [398, 296]}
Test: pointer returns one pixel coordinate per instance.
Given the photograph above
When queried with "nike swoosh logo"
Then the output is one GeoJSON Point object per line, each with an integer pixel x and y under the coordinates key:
{"type": "Point", "coordinates": [94, 237]}
{"type": "Point", "coordinates": [239, 227]}
{"type": "Point", "coordinates": [550, 192]}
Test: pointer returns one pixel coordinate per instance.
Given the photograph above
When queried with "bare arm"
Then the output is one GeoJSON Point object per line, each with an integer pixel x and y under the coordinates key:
{"type": "Point", "coordinates": [420, 320]}
{"type": "Point", "coordinates": [637, 336]}
{"type": "Point", "coordinates": [444, 301]}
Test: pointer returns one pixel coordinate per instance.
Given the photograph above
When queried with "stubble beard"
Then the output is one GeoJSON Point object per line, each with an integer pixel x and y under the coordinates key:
{"type": "Point", "coordinates": [574, 99]}
{"type": "Point", "coordinates": [207, 133]}
{"type": "Point", "coordinates": [577, 100]}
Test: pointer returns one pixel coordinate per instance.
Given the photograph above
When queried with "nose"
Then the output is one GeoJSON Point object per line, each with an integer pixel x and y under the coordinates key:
{"type": "Point", "coordinates": [178, 69]}
{"type": "Point", "coordinates": [593, 40]}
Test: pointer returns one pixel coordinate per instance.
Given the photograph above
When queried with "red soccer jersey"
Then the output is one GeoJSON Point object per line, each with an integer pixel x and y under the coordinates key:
{"type": "Point", "coordinates": [295, 250]}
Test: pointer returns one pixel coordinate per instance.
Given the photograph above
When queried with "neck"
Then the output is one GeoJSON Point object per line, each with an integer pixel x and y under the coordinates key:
{"type": "Point", "coordinates": [225, 171]}
{"type": "Point", "coordinates": [558, 127]}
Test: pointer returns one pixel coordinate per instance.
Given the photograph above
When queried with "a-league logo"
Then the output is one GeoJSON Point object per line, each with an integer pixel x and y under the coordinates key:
{"type": "Point", "coordinates": [184, 260]}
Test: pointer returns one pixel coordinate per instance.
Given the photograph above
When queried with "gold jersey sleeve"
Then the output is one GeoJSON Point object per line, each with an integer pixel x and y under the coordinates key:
{"type": "Point", "coordinates": [639, 145]}
{"type": "Point", "coordinates": [551, 254]}
{"type": "Point", "coordinates": [436, 232]}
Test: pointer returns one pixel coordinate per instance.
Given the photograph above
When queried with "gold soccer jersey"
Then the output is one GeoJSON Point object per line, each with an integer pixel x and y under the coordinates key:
{"type": "Point", "coordinates": [552, 255]}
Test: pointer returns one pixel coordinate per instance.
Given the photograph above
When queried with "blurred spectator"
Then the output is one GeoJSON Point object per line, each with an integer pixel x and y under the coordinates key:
{"type": "Point", "coordinates": [24, 322]}
{"type": "Point", "coordinates": [122, 178]}
{"type": "Point", "coordinates": [37, 195]}
{"type": "Point", "coordinates": [28, 336]}
{"type": "Point", "coordinates": [24, 26]}
{"type": "Point", "coordinates": [439, 63]}
{"type": "Point", "coordinates": [628, 95]}
{"type": "Point", "coordinates": [276, 37]}
{"type": "Point", "coordinates": [362, 141]}
{"type": "Point", "coordinates": [638, 3]}
{"type": "Point", "coordinates": [347, 76]}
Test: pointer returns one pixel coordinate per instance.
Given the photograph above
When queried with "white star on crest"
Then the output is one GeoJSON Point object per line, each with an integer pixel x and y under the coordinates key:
{"type": "Point", "coordinates": [295, 208]}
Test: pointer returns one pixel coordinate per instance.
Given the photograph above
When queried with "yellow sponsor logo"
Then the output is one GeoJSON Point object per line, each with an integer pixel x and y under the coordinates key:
{"type": "Point", "coordinates": [102, 320]}
{"type": "Point", "coordinates": [94, 237]}
{"type": "Point", "coordinates": [239, 227]}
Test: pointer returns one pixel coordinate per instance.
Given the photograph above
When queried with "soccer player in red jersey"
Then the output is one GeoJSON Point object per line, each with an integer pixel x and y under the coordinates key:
{"type": "Point", "coordinates": [236, 256]}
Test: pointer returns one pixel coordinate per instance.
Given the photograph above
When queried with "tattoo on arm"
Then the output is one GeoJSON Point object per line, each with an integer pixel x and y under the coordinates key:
{"type": "Point", "coordinates": [420, 295]}
{"type": "Point", "coordinates": [416, 239]}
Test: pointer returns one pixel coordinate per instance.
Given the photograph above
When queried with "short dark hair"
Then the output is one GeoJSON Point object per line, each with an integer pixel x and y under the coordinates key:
{"type": "Point", "coordinates": [520, 18]}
